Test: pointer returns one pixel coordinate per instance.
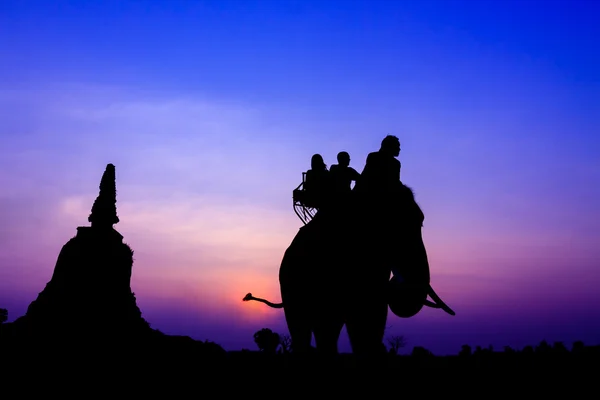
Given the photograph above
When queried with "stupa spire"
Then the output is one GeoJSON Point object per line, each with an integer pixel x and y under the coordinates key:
{"type": "Point", "coordinates": [104, 210]}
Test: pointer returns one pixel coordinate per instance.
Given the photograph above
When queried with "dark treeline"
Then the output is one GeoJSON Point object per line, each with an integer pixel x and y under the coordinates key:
{"type": "Point", "coordinates": [541, 355]}
{"type": "Point", "coordinates": [180, 363]}
{"type": "Point", "coordinates": [273, 349]}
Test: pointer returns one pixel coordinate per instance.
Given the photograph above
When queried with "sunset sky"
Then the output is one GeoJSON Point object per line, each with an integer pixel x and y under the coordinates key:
{"type": "Point", "coordinates": [211, 110]}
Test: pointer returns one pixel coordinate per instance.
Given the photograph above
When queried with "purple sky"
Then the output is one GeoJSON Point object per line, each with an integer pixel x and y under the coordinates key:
{"type": "Point", "coordinates": [211, 112]}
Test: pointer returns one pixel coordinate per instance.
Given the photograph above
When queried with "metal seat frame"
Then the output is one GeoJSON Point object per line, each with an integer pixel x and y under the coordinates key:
{"type": "Point", "coordinates": [302, 210]}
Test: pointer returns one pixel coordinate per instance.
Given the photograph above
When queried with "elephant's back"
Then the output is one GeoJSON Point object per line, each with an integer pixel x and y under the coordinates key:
{"type": "Point", "coordinates": [308, 254]}
{"type": "Point", "coordinates": [311, 266]}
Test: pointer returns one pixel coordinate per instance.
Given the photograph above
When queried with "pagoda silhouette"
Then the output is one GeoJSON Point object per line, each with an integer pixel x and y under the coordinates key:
{"type": "Point", "coordinates": [89, 296]}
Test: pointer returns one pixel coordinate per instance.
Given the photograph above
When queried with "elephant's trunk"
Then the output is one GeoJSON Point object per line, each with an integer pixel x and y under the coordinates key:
{"type": "Point", "coordinates": [409, 286]}
{"type": "Point", "coordinates": [412, 276]}
{"type": "Point", "coordinates": [412, 264]}
{"type": "Point", "coordinates": [423, 275]}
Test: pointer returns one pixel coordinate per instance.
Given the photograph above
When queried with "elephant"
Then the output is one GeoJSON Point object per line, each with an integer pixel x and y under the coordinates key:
{"type": "Point", "coordinates": [337, 272]}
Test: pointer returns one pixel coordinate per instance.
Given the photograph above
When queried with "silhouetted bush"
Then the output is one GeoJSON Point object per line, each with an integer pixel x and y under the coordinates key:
{"type": "Point", "coordinates": [267, 340]}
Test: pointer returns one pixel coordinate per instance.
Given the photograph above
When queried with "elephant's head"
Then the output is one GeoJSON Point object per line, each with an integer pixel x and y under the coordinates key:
{"type": "Point", "coordinates": [409, 286]}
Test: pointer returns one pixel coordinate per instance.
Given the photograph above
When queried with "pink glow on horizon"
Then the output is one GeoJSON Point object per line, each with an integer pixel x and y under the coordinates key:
{"type": "Point", "coordinates": [209, 216]}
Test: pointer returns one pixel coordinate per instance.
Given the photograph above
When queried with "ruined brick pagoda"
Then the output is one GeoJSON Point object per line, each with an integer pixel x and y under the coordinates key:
{"type": "Point", "coordinates": [89, 295]}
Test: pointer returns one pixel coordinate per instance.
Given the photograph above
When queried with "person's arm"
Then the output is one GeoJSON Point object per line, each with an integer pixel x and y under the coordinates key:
{"type": "Point", "coordinates": [354, 175]}
{"type": "Point", "coordinates": [368, 164]}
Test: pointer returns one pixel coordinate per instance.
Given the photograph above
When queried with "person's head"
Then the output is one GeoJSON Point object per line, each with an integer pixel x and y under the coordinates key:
{"type": "Point", "coordinates": [391, 145]}
{"type": "Point", "coordinates": [343, 158]}
{"type": "Point", "coordinates": [317, 163]}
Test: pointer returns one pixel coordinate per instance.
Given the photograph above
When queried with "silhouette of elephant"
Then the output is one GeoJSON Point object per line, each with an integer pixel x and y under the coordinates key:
{"type": "Point", "coordinates": [337, 271]}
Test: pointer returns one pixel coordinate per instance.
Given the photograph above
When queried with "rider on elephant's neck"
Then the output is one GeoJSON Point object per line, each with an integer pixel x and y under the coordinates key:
{"type": "Point", "coordinates": [381, 174]}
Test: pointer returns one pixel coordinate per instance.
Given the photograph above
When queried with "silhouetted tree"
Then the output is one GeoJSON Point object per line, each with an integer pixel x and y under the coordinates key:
{"type": "Point", "coordinates": [559, 348]}
{"type": "Point", "coordinates": [286, 343]}
{"type": "Point", "coordinates": [508, 350]}
{"type": "Point", "coordinates": [543, 348]}
{"type": "Point", "coordinates": [3, 315]}
{"type": "Point", "coordinates": [465, 351]}
{"type": "Point", "coordinates": [396, 342]}
{"type": "Point", "coordinates": [578, 347]}
{"type": "Point", "coordinates": [419, 351]}
{"type": "Point", "coordinates": [527, 350]}
{"type": "Point", "coordinates": [267, 340]}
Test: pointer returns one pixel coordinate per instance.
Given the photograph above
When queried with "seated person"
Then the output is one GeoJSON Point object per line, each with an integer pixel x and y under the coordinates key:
{"type": "Point", "coordinates": [342, 176]}
{"type": "Point", "coordinates": [379, 185]}
{"type": "Point", "coordinates": [317, 182]}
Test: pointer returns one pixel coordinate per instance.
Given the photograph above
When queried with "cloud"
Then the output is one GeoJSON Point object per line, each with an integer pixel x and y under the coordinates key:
{"type": "Point", "coordinates": [174, 143]}
{"type": "Point", "coordinates": [203, 190]}
{"type": "Point", "coordinates": [204, 197]}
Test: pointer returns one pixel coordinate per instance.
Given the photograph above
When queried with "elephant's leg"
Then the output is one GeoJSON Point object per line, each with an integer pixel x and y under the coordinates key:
{"type": "Point", "coordinates": [299, 327]}
{"type": "Point", "coordinates": [303, 276]}
{"type": "Point", "coordinates": [291, 282]}
{"type": "Point", "coordinates": [366, 330]}
{"type": "Point", "coordinates": [366, 318]}
{"type": "Point", "coordinates": [327, 334]}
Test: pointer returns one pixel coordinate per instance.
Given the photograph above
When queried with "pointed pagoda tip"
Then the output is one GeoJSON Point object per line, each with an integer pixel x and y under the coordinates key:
{"type": "Point", "coordinates": [104, 211]}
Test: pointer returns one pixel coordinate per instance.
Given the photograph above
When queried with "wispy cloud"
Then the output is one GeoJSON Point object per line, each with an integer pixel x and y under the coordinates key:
{"type": "Point", "coordinates": [204, 197]}
{"type": "Point", "coordinates": [206, 207]}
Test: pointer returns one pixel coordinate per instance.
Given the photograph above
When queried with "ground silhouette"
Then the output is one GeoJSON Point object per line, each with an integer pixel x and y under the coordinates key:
{"type": "Point", "coordinates": [89, 298]}
{"type": "Point", "coordinates": [87, 319]}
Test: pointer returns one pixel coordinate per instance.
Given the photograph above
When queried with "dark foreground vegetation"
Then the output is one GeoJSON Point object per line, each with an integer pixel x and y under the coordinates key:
{"type": "Point", "coordinates": [179, 363]}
